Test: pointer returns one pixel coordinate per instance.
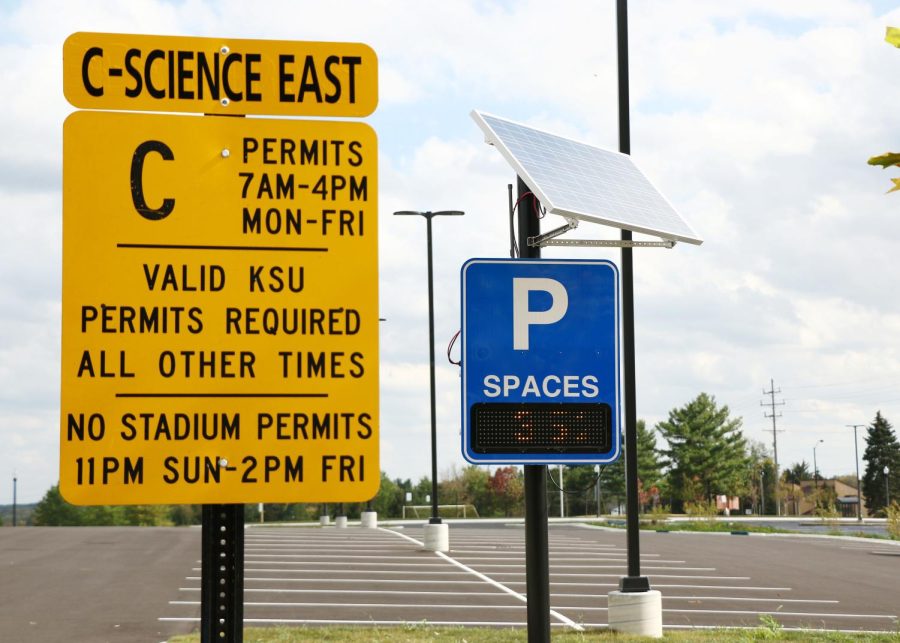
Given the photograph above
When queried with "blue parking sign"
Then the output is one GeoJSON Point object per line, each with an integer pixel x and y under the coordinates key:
{"type": "Point", "coordinates": [540, 361]}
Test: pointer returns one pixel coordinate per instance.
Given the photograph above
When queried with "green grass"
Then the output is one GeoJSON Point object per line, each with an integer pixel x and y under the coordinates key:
{"type": "Point", "coordinates": [699, 525]}
{"type": "Point", "coordinates": [709, 526]}
{"type": "Point", "coordinates": [769, 630]}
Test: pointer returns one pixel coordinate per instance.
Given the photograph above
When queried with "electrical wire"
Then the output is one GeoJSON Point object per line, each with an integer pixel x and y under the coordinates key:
{"type": "Point", "coordinates": [575, 491]}
{"type": "Point", "coordinates": [450, 348]}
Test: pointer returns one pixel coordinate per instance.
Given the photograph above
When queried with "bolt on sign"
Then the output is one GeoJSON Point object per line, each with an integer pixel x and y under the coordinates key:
{"type": "Point", "coordinates": [220, 306]}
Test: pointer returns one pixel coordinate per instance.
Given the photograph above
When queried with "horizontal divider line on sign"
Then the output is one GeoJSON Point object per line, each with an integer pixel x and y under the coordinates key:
{"type": "Point", "coordinates": [179, 246]}
{"type": "Point", "coordinates": [224, 395]}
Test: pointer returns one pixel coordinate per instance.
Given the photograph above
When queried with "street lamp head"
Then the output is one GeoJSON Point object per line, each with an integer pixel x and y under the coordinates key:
{"type": "Point", "coordinates": [886, 470]}
{"type": "Point", "coordinates": [429, 214]}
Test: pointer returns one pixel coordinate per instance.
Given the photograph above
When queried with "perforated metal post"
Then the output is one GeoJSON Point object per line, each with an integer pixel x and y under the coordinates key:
{"type": "Point", "coordinates": [222, 575]}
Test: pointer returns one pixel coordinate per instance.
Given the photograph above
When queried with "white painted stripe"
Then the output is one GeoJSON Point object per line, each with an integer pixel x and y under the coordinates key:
{"type": "Point", "coordinates": [342, 556]}
{"type": "Point", "coordinates": [756, 628]}
{"type": "Point", "coordinates": [380, 605]}
{"type": "Point", "coordinates": [597, 559]}
{"type": "Point", "coordinates": [499, 586]}
{"type": "Point", "coordinates": [658, 585]}
{"type": "Point", "coordinates": [358, 592]}
{"type": "Point", "coordinates": [361, 572]}
{"type": "Point", "coordinates": [404, 536]}
{"type": "Point", "coordinates": [367, 622]}
{"type": "Point", "coordinates": [782, 629]}
{"type": "Point", "coordinates": [666, 597]}
{"type": "Point", "coordinates": [368, 572]}
{"type": "Point", "coordinates": [262, 579]}
{"type": "Point", "coordinates": [745, 612]}
{"type": "Point", "coordinates": [780, 613]}
{"type": "Point", "coordinates": [503, 587]}
{"type": "Point", "coordinates": [517, 565]}
{"type": "Point", "coordinates": [325, 563]}
{"type": "Point", "coordinates": [741, 588]}
{"type": "Point", "coordinates": [601, 596]}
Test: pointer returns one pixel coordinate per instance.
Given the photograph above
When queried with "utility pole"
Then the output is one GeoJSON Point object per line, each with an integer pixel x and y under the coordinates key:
{"type": "Point", "coordinates": [856, 458]}
{"type": "Point", "coordinates": [772, 403]}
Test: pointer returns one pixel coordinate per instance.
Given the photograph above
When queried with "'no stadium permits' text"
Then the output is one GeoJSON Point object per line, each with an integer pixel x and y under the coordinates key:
{"type": "Point", "coordinates": [220, 310]}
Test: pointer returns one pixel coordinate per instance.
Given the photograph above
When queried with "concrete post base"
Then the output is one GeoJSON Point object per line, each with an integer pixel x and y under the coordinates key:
{"type": "Point", "coordinates": [340, 522]}
{"type": "Point", "coordinates": [636, 613]}
{"type": "Point", "coordinates": [369, 519]}
{"type": "Point", "coordinates": [324, 520]}
{"type": "Point", "coordinates": [437, 537]}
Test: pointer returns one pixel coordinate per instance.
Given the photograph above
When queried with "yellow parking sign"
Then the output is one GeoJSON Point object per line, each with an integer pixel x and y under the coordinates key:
{"type": "Point", "coordinates": [220, 310]}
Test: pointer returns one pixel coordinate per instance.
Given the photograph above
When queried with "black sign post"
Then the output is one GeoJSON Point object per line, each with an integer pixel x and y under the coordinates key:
{"type": "Point", "coordinates": [222, 574]}
{"type": "Point", "coordinates": [537, 545]}
{"type": "Point", "coordinates": [633, 582]}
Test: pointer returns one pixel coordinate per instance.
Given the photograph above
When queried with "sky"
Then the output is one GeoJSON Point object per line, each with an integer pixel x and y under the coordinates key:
{"type": "Point", "coordinates": [754, 118]}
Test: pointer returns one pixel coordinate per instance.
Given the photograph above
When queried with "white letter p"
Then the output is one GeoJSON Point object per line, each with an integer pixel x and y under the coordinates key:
{"type": "Point", "coordinates": [523, 318]}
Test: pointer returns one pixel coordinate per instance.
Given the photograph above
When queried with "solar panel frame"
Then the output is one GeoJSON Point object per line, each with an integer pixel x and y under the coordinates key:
{"type": "Point", "coordinates": [583, 181]}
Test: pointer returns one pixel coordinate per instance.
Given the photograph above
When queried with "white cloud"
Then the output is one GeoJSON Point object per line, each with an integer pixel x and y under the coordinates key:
{"type": "Point", "coordinates": [755, 118]}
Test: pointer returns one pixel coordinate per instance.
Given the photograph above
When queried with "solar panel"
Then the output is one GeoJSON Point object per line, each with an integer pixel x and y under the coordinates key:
{"type": "Point", "coordinates": [585, 182]}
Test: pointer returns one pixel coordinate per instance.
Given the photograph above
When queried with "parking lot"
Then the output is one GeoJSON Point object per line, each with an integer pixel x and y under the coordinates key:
{"type": "Point", "coordinates": [312, 575]}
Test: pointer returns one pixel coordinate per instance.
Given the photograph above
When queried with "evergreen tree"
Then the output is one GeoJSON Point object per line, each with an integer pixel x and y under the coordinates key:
{"type": "Point", "coordinates": [707, 452]}
{"type": "Point", "coordinates": [882, 450]}
{"type": "Point", "coordinates": [650, 477]}
{"type": "Point", "coordinates": [53, 510]}
{"type": "Point", "coordinates": [649, 462]}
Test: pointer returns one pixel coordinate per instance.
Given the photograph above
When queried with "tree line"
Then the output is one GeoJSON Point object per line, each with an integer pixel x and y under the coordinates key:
{"type": "Point", "coordinates": [703, 454]}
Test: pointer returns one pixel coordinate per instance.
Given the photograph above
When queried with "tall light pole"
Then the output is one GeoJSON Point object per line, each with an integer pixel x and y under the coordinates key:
{"type": "Point", "coordinates": [856, 456]}
{"type": "Point", "coordinates": [435, 517]}
{"type": "Point", "coordinates": [816, 466]}
{"type": "Point", "coordinates": [887, 489]}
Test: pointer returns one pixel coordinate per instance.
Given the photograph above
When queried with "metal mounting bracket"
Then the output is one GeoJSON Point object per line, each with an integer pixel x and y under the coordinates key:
{"type": "Point", "coordinates": [608, 243]}
{"type": "Point", "coordinates": [550, 239]}
{"type": "Point", "coordinates": [541, 240]}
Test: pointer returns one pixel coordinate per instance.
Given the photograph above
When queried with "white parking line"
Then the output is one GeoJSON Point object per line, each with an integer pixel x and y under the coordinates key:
{"type": "Point", "coordinates": [515, 565]}
{"type": "Point", "coordinates": [305, 621]}
{"type": "Point", "coordinates": [356, 592]}
{"type": "Point", "coordinates": [780, 613]}
{"type": "Point", "coordinates": [741, 612]}
{"type": "Point", "coordinates": [496, 584]}
{"type": "Point", "coordinates": [387, 605]}
{"type": "Point", "coordinates": [666, 597]}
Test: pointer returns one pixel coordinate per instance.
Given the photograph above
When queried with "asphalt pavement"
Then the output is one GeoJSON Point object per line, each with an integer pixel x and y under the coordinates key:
{"type": "Point", "coordinates": [143, 584]}
{"type": "Point", "coordinates": [92, 584]}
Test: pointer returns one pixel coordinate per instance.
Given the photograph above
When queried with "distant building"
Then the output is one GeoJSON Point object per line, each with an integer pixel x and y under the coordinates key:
{"type": "Point", "coordinates": [800, 500]}
{"type": "Point", "coordinates": [730, 503]}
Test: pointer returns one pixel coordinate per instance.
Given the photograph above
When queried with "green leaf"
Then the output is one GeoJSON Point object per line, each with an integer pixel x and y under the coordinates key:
{"type": "Point", "coordinates": [892, 37]}
{"type": "Point", "coordinates": [896, 187]}
{"type": "Point", "coordinates": [886, 160]}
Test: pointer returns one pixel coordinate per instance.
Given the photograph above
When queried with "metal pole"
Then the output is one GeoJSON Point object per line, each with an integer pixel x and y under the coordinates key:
{"type": "Point", "coordinates": [815, 465]}
{"type": "Point", "coordinates": [634, 582]}
{"type": "Point", "coordinates": [537, 543]}
{"type": "Point", "coordinates": [562, 497]}
{"type": "Point", "coordinates": [887, 489]}
{"type": "Point", "coordinates": [435, 516]}
{"type": "Point", "coordinates": [222, 574]}
{"type": "Point", "coordinates": [15, 481]}
{"type": "Point", "coordinates": [856, 457]}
